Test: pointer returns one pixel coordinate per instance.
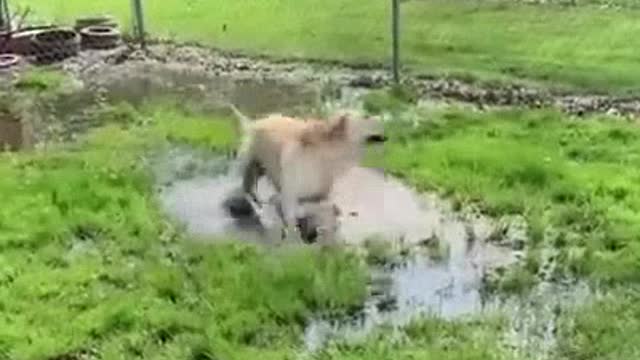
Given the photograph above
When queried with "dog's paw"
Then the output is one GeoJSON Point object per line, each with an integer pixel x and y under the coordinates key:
{"type": "Point", "coordinates": [238, 207]}
{"type": "Point", "coordinates": [307, 230]}
{"type": "Point", "coordinates": [291, 236]}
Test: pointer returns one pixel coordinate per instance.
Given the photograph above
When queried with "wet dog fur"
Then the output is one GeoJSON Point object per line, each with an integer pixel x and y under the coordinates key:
{"type": "Point", "coordinates": [302, 158]}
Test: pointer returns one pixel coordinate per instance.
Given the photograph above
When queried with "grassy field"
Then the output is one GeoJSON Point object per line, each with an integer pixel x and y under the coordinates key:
{"type": "Point", "coordinates": [584, 47]}
{"type": "Point", "coordinates": [89, 264]}
{"type": "Point", "coordinates": [575, 180]}
{"type": "Point", "coordinates": [90, 267]}
{"type": "Point", "coordinates": [84, 244]}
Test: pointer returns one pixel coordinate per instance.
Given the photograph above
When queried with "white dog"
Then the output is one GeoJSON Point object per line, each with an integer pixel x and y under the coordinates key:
{"type": "Point", "coordinates": [302, 158]}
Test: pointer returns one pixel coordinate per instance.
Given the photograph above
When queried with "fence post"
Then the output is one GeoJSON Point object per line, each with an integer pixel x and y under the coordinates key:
{"type": "Point", "coordinates": [138, 15]}
{"type": "Point", "coordinates": [395, 35]}
{"type": "Point", "coordinates": [4, 15]}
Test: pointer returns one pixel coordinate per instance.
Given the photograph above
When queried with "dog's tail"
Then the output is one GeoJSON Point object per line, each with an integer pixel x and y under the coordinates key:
{"type": "Point", "coordinates": [243, 119]}
{"type": "Point", "coordinates": [243, 167]}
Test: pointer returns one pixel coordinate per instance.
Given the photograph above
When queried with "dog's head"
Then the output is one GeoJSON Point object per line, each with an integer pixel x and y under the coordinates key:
{"type": "Point", "coordinates": [357, 129]}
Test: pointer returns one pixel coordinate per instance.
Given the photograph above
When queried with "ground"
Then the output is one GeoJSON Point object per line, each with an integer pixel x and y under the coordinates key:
{"type": "Point", "coordinates": [91, 267]}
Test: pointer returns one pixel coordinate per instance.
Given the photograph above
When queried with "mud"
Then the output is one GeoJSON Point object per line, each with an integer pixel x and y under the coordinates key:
{"type": "Point", "coordinates": [14, 134]}
{"type": "Point", "coordinates": [336, 77]}
{"type": "Point", "coordinates": [138, 82]}
{"type": "Point", "coordinates": [206, 79]}
{"type": "Point", "coordinates": [70, 111]}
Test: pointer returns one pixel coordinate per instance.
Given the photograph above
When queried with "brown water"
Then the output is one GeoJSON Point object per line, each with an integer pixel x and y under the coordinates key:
{"type": "Point", "coordinates": [69, 113]}
{"type": "Point", "coordinates": [138, 82]}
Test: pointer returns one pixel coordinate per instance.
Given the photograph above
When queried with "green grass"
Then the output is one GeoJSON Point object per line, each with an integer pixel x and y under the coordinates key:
{"type": "Point", "coordinates": [609, 329]}
{"type": "Point", "coordinates": [428, 339]}
{"type": "Point", "coordinates": [88, 263]}
{"type": "Point", "coordinates": [40, 81]}
{"type": "Point", "coordinates": [558, 45]}
{"type": "Point", "coordinates": [394, 100]}
{"type": "Point", "coordinates": [575, 178]}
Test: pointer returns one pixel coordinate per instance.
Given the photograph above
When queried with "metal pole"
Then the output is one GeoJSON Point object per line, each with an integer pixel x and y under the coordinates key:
{"type": "Point", "coordinates": [138, 14]}
{"type": "Point", "coordinates": [4, 15]}
{"type": "Point", "coordinates": [395, 35]}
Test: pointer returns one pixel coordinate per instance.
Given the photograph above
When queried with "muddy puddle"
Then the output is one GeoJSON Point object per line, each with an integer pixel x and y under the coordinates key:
{"type": "Point", "coordinates": [70, 111]}
{"type": "Point", "coordinates": [373, 205]}
{"type": "Point", "coordinates": [193, 188]}
{"type": "Point", "coordinates": [452, 289]}
{"type": "Point", "coordinates": [139, 82]}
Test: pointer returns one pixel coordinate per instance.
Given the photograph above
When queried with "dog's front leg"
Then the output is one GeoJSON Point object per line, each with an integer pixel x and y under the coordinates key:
{"type": "Point", "coordinates": [289, 201]}
{"type": "Point", "coordinates": [250, 174]}
{"type": "Point", "coordinates": [289, 217]}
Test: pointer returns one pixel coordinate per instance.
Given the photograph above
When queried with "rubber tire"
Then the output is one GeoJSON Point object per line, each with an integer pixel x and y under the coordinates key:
{"type": "Point", "coordinates": [55, 45]}
{"type": "Point", "coordinates": [100, 37]}
{"type": "Point", "coordinates": [107, 20]}
{"type": "Point", "coordinates": [9, 60]}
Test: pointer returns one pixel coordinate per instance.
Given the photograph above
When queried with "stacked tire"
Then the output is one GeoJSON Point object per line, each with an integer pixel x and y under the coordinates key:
{"type": "Point", "coordinates": [82, 23]}
{"type": "Point", "coordinates": [100, 37]}
{"type": "Point", "coordinates": [48, 44]}
{"type": "Point", "coordinates": [99, 33]}
{"type": "Point", "coordinates": [55, 45]}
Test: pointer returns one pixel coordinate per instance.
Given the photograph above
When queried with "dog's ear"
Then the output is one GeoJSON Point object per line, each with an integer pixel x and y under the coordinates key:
{"type": "Point", "coordinates": [338, 127]}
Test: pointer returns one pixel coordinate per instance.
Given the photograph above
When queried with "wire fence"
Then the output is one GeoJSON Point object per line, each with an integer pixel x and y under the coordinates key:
{"type": "Point", "coordinates": [49, 31]}
{"type": "Point", "coordinates": [458, 37]}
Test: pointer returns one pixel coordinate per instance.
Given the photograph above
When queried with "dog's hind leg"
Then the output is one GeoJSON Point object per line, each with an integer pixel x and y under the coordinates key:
{"type": "Point", "coordinates": [250, 175]}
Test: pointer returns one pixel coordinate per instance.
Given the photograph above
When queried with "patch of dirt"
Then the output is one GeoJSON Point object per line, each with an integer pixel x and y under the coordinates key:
{"type": "Point", "coordinates": [209, 78]}
{"type": "Point", "coordinates": [93, 66]}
